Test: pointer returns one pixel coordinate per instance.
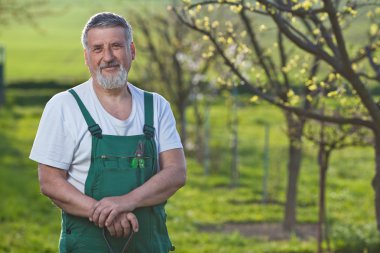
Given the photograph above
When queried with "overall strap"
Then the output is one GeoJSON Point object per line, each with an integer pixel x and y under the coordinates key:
{"type": "Point", "coordinates": [94, 128]}
{"type": "Point", "coordinates": [148, 108]}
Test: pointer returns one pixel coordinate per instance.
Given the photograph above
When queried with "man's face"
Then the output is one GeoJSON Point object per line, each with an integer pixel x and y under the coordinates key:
{"type": "Point", "coordinates": [108, 56]}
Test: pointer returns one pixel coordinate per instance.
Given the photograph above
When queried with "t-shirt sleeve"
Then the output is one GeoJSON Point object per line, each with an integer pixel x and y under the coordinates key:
{"type": "Point", "coordinates": [54, 145]}
{"type": "Point", "coordinates": [168, 137]}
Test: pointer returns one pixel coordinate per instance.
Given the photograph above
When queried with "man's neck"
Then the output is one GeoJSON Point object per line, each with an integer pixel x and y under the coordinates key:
{"type": "Point", "coordinates": [117, 102]}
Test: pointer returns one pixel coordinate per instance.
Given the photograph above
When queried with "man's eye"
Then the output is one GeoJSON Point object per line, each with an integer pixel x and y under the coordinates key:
{"type": "Point", "coordinates": [97, 49]}
{"type": "Point", "coordinates": [116, 46]}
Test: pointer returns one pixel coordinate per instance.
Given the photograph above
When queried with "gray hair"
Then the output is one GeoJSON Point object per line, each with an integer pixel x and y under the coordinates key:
{"type": "Point", "coordinates": [105, 20]}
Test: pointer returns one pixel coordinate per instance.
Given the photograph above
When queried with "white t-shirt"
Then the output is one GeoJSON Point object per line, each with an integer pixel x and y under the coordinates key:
{"type": "Point", "coordinates": [63, 140]}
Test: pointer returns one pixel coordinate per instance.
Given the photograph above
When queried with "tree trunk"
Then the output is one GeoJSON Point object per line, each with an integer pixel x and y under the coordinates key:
{"type": "Point", "coordinates": [234, 123]}
{"type": "Point", "coordinates": [202, 135]}
{"type": "Point", "coordinates": [376, 179]}
{"type": "Point", "coordinates": [2, 89]}
{"type": "Point", "coordinates": [183, 124]}
{"type": "Point", "coordinates": [295, 131]}
{"type": "Point", "coordinates": [323, 159]}
{"type": "Point", "coordinates": [206, 147]}
{"type": "Point", "coordinates": [235, 155]}
{"type": "Point", "coordinates": [199, 137]}
{"type": "Point", "coordinates": [2, 96]}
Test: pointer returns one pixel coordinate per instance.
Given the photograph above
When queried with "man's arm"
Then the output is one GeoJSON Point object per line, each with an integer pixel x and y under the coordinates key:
{"type": "Point", "coordinates": [157, 189]}
{"type": "Point", "coordinates": [53, 184]}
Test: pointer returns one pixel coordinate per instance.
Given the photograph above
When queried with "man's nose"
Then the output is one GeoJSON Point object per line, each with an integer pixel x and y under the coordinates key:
{"type": "Point", "coordinates": [108, 54]}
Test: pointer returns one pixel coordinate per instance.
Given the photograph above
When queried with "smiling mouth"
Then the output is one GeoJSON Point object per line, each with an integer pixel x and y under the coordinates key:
{"type": "Point", "coordinates": [109, 67]}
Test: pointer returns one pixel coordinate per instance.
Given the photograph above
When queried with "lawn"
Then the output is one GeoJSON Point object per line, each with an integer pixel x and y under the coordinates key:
{"type": "Point", "coordinates": [52, 50]}
{"type": "Point", "coordinates": [199, 211]}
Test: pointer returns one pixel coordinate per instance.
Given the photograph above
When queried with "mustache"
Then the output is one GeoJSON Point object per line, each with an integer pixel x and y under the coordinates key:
{"type": "Point", "coordinates": [109, 65]}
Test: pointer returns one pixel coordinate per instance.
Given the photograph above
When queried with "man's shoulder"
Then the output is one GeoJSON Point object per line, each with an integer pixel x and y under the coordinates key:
{"type": "Point", "coordinates": [83, 89]}
{"type": "Point", "coordinates": [158, 98]}
{"type": "Point", "coordinates": [60, 99]}
{"type": "Point", "coordinates": [65, 99]}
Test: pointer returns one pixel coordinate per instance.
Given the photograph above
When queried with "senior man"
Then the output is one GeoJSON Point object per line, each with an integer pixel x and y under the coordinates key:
{"type": "Point", "coordinates": [108, 153]}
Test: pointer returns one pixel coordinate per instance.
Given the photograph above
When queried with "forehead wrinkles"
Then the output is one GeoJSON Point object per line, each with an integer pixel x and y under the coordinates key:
{"type": "Point", "coordinates": [109, 35]}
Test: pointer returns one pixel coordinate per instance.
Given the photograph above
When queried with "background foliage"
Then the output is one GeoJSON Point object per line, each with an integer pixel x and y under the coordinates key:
{"type": "Point", "coordinates": [199, 212]}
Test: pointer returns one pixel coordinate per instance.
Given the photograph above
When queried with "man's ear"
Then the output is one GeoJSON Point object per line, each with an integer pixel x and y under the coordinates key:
{"type": "Point", "coordinates": [133, 50]}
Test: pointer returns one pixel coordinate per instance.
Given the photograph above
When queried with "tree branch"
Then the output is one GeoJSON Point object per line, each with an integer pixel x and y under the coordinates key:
{"type": "Point", "coordinates": [152, 48]}
{"type": "Point", "coordinates": [343, 54]}
{"type": "Point", "coordinates": [260, 93]}
{"type": "Point", "coordinates": [216, 2]}
{"type": "Point", "coordinates": [306, 45]}
{"type": "Point", "coordinates": [268, 69]}
{"type": "Point", "coordinates": [374, 65]}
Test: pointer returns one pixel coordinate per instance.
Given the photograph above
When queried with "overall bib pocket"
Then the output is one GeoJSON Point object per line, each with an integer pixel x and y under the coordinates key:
{"type": "Point", "coordinates": [119, 171]}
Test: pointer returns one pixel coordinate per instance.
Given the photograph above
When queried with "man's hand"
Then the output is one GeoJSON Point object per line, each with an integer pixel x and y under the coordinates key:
{"type": "Point", "coordinates": [107, 209]}
{"type": "Point", "coordinates": [121, 226]}
{"type": "Point", "coordinates": [156, 190]}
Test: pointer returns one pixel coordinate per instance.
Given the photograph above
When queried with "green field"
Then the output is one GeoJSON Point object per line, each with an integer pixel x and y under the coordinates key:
{"type": "Point", "coordinates": [207, 215]}
{"type": "Point", "coordinates": [52, 50]}
{"type": "Point", "coordinates": [197, 213]}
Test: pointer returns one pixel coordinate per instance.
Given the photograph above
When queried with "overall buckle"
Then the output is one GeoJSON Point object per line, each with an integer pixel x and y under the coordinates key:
{"type": "Point", "coordinates": [148, 130]}
{"type": "Point", "coordinates": [95, 130]}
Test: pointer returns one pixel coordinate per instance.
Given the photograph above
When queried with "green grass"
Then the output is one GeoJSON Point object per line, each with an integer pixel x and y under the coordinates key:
{"type": "Point", "coordinates": [52, 50]}
{"type": "Point", "coordinates": [30, 223]}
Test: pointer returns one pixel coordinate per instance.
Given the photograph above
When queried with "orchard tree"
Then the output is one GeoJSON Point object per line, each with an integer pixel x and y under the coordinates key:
{"type": "Point", "coordinates": [318, 29]}
{"type": "Point", "coordinates": [249, 54]}
{"type": "Point", "coordinates": [19, 11]}
{"type": "Point", "coordinates": [328, 138]}
{"type": "Point", "coordinates": [175, 61]}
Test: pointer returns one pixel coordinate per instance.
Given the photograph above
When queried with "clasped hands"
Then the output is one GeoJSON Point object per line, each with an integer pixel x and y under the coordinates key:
{"type": "Point", "coordinates": [117, 218]}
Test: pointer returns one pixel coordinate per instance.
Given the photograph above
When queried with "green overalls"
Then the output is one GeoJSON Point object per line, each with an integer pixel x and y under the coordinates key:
{"type": "Point", "coordinates": [119, 164]}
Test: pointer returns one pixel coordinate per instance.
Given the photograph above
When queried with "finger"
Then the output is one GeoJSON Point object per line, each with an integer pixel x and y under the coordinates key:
{"type": "Point", "coordinates": [110, 217]}
{"type": "Point", "coordinates": [95, 216]}
{"type": "Point", "coordinates": [103, 217]}
{"type": "Point", "coordinates": [126, 226]}
{"type": "Point", "coordinates": [98, 209]}
{"type": "Point", "coordinates": [126, 231]}
{"type": "Point", "coordinates": [96, 213]}
{"type": "Point", "coordinates": [134, 222]}
{"type": "Point", "coordinates": [93, 208]}
{"type": "Point", "coordinates": [111, 229]}
{"type": "Point", "coordinates": [118, 229]}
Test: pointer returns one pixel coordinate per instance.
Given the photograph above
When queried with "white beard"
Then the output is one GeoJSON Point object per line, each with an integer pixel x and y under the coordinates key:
{"type": "Point", "coordinates": [118, 80]}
